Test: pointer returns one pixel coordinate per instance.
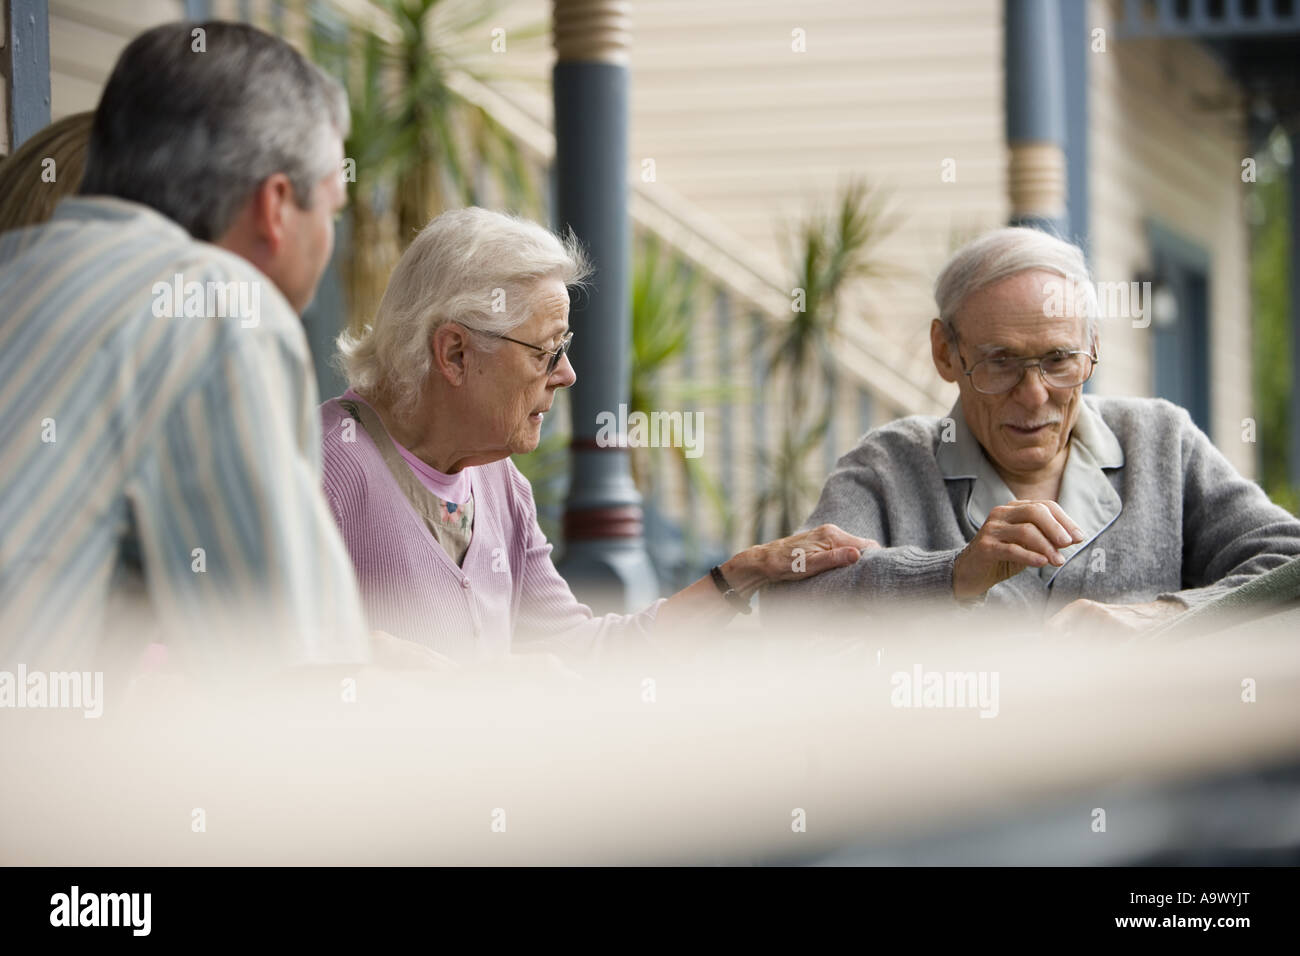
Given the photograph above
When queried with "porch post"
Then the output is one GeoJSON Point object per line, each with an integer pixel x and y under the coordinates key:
{"type": "Point", "coordinates": [25, 68]}
{"type": "Point", "coordinates": [605, 560]}
{"type": "Point", "coordinates": [1035, 103]}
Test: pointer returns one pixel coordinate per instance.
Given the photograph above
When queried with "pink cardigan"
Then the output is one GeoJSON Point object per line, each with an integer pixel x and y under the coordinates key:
{"type": "Point", "coordinates": [507, 589]}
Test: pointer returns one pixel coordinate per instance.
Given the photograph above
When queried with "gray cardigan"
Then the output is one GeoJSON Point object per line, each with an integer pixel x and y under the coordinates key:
{"type": "Point", "coordinates": [1165, 515]}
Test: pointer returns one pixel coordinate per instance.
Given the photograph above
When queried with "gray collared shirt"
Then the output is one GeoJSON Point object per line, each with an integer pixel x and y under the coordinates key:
{"type": "Point", "coordinates": [1165, 514]}
{"type": "Point", "coordinates": [1086, 494]}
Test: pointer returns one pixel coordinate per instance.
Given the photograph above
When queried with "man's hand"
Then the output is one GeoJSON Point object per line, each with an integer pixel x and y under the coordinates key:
{"type": "Point", "coordinates": [1017, 535]}
{"type": "Point", "coordinates": [1122, 620]}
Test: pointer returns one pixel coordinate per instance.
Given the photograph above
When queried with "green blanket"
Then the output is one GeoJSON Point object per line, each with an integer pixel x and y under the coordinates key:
{"type": "Point", "coordinates": [1274, 593]}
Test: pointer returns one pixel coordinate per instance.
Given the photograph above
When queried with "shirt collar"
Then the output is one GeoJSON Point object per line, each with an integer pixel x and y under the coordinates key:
{"type": "Point", "coordinates": [1086, 494]}
{"type": "Point", "coordinates": [113, 209]}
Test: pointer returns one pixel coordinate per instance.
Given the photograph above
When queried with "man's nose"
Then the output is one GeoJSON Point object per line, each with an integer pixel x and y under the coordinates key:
{"type": "Point", "coordinates": [1031, 391]}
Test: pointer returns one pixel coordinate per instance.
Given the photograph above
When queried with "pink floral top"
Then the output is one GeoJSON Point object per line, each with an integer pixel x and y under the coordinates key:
{"type": "Point", "coordinates": [454, 494]}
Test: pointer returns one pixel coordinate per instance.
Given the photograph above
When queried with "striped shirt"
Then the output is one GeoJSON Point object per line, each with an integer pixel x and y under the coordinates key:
{"type": "Point", "coordinates": [159, 435]}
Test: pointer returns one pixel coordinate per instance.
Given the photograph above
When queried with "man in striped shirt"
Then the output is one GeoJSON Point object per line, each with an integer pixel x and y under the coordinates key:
{"type": "Point", "coordinates": [160, 432]}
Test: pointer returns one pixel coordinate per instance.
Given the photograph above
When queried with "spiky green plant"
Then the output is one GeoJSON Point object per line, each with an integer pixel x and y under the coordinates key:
{"type": "Point", "coordinates": [665, 303]}
{"type": "Point", "coordinates": [419, 146]}
{"type": "Point", "coordinates": [828, 252]}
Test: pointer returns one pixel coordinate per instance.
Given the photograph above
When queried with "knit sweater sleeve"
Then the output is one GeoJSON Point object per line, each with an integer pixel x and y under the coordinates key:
{"type": "Point", "coordinates": [342, 479]}
{"type": "Point", "coordinates": [549, 618]}
{"type": "Point", "coordinates": [887, 471]}
{"type": "Point", "coordinates": [1232, 532]}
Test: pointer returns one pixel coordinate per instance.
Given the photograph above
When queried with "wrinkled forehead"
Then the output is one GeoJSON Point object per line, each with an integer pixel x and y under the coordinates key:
{"type": "Point", "coordinates": [553, 302]}
{"type": "Point", "coordinates": [1029, 313]}
{"type": "Point", "coordinates": [548, 308]}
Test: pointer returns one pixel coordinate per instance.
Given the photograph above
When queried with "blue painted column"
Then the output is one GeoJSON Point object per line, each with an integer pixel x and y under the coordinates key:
{"type": "Point", "coordinates": [1035, 103]}
{"type": "Point", "coordinates": [605, 559]}
{"type": "Point", "coordinates": [25, 61]}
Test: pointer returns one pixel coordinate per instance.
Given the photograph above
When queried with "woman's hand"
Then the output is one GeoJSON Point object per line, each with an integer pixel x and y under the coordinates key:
{"type": "Point", "coordinates": [392, 652]}
{"type": "Point", "coordinates": [794, 558]}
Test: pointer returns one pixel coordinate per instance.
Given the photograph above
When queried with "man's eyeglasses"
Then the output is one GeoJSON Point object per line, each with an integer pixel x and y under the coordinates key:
{"type": "Point", "coordinates": [999, 374]}
{"type": "Point", "coordinates": [553, 353]}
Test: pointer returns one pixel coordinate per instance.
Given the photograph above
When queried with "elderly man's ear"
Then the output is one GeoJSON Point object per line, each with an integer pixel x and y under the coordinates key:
{"type": "Point", "coordinates": [450, 348]}
{"type": "Point", "coordinates": [943, 352]}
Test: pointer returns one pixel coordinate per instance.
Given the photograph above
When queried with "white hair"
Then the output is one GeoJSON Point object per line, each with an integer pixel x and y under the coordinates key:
{"type": "Point", "coordinates": [1002, 253]}
{"type": "Point", "coordinates": [478, 268]}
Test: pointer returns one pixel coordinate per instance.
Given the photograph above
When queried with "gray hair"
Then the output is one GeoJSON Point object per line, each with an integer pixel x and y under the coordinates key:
{"type": "Point", "coordinates": [478, 268]}
{"type": "Point", "coordinates": [191, 123]}
{"type": "Point", "coordinates": [1002, 253]}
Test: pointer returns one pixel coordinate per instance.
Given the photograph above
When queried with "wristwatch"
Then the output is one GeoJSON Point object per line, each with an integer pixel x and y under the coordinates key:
{"type": "Point", "coordinates": [731, 595]}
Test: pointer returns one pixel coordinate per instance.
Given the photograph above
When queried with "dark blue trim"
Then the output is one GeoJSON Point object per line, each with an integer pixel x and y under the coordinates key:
{"type": "Point", "coordinates": [1193, 19]}
{"type": "Point", "coordinates": [591, 142]}
{"type": "Point", "coordinates": [1187, 252]}
{"type": "Point", "coordinates": [1035, 86]}
{"type": "Point", "coordinates": [591, 198]}
{"type": "Point", "coordinates": [1076, 45]}
{"type": "Point", "coordinates": [28, 52]}
{"type": "Point", "coordinates": [1180, 355]}
{"type": "Point", "coordinates": [1034, 78]}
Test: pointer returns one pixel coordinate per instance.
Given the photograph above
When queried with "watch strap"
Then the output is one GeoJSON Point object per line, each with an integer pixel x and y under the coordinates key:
{"type": "Point", "coordinates": [730, 594]}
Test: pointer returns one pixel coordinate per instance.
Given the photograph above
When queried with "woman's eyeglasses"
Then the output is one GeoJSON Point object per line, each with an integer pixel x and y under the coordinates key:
{"type": "Point", "coordinates": [555, 354]}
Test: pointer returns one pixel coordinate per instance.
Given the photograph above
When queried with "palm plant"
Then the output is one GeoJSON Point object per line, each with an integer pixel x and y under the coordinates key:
{"type": "Point", "coordinates": [664, 306]}
{"type": "Point", "coordinates": [829, 252]}
{"type": "Point", "coordinates": [787, 488]}
{"type": "Point", "coordinates": [419, 146]}
{"type": "Point", "coordinates": [1269, 280]}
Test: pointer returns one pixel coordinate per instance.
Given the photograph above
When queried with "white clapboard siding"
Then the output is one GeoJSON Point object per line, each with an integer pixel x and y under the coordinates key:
{"type": "Point", "coordinates": [86, 37]}
{"type": "Point", "coordinates": [1166, 130]}
{"type": "Point", "coordinates": [755, 136]}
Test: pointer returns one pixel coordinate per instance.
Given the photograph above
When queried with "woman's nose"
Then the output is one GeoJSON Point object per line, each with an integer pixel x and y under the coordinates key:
{"type": "Point", "coordinates": [564, 375]}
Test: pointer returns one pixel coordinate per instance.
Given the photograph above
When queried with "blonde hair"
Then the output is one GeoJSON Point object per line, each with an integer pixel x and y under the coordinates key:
{"type": "Point", "coordinates": [27, 198]}
{"type": "Point", "coordinates": [474, 267]}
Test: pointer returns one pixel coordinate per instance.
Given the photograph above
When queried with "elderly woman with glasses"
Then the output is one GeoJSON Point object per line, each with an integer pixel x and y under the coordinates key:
{"type": "Point", "coordinates": [454, 375]}
{"type": "Point", "coordinates": [1029, 494]}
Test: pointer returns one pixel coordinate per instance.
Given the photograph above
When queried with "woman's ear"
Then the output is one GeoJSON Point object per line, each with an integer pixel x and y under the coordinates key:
{"type": "Point", "coordinates": [450, 346]}
{"type": "Point", "coordinates": [942, 351]}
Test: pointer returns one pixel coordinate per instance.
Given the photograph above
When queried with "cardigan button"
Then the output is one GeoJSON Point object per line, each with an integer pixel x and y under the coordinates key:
{"type": "Point", "coordinates": [464, 582]}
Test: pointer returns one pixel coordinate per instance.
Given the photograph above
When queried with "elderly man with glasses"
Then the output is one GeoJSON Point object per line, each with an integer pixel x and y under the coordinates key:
{"type": "Point", "coordinates": [1030, 495]}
